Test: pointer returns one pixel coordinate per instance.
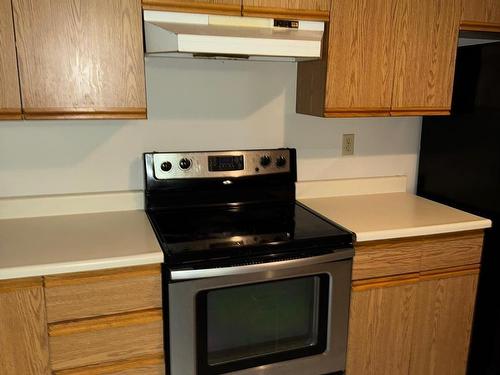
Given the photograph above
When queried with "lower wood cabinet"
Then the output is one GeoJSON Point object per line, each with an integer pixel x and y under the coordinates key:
{"type": "Point", "coordinates": [381, 329]}
{"type": "Point", "coordinates": [442, 328]}
{"type": "Point", "coordinates": [416, 323]}
{"type": "Point", "coordinates": [23, 329]}
{"type": "Point", "coordinates": [100, 323]}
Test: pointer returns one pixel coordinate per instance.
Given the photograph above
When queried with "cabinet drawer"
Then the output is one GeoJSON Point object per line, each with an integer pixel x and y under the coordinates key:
{"type": "Point", "coordinates": [106, 339]}
{"type": "Point", "coordinates": [458, 249]}
{"type": "Point", "coordinates": [89, 294]}
{"type": "Point", "coordinates": [385, 258]}
{"type": "Point", "coordinates": [148, 365]}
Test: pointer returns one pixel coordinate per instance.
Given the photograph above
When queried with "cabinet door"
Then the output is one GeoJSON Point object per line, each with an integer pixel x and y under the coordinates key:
{"type": "Point", "coordinates": [381, 328]}
{"type": "Point", "coordinates": [10, 102]}
{"type": "Point", "coordinates": [23, 328]}
{"type": "Point", "coordinates": [360, 58]}
{"type": "Point", "coordinates": [223, 7]}
{"type": "Point", "coordinates": [481, 15]}
{"type": "Point", "coordinates": [288, 9]}
{"type": "Point", "coordinates": [426, 37]}
{"type": "Point", "coordinates": [80, 58]}
{"type": "Point", "coordinates": [445, 307]}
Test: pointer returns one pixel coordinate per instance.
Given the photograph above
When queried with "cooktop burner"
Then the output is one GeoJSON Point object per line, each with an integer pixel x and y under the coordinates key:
{"type": "Point", "coordinates": [201, 233]}
{"type": "Point", "coordinates": [233, 206]}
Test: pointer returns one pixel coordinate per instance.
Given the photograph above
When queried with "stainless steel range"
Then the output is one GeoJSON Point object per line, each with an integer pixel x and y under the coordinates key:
{"type": "Point", "coordinates": [255, 283]}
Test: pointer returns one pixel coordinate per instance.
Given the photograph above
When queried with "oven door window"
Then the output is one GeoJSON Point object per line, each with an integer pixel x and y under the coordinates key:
{"type": "Point", "coordinates": [256, 324]}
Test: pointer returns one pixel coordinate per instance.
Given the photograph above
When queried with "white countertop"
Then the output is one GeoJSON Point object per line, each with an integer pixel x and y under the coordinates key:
{"type": "Point", "coordinates": [393, 215]}
{"type": "Point", "coordinates": [73, 243]}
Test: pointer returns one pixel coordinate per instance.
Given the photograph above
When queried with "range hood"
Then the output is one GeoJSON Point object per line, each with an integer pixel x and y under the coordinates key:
{"type": "Point", "coordinates": [172, 34]}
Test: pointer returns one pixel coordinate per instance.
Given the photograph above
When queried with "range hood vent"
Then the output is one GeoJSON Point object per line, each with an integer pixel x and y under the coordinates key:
{"type": "Point", "coordinates": [171, 34]}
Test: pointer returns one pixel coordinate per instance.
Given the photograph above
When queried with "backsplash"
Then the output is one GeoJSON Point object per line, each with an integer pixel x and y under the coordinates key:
{"type": "Point", "coordinates": [200, 105]}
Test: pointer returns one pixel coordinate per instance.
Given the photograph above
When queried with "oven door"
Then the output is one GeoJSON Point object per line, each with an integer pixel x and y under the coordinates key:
{"type": "Point", "coordinates": [286, 317]}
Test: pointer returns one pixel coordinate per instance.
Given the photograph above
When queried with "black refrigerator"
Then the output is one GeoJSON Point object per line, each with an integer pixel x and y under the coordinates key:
{"type": "Point", "coordinates": [460, 166]}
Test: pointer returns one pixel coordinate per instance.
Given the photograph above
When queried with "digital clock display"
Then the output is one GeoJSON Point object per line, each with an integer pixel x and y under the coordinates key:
{"type": "Point", "coordinates": [225, 163]}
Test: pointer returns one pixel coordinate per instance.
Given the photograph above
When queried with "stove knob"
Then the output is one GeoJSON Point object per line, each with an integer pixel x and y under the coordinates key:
{"type": "Point", "coordinates": [281, 162]}
{"type": "Point", "coordinates": [185, 163]}
{"type": "Point", "coordinates": [166, 166]}
{"type": "Point", "coordinates": [265, 160]}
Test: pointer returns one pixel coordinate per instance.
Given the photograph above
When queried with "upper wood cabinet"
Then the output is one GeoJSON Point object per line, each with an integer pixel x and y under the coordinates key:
{"type": "Point", "coordinates": [222, 7]}
{"type": "Point", "coordinates": [426, 40]}
{"type": "Point", "coordinates": [288, 9]}
{"type": "Point", "coordinates": [360, 58]}
{"type": "Point", "coordinates": [481, 15]}
{"type": "Point", "coordinates": [10, 101]}
{"type": "Point", "coordinates": [23, 328]}
{"type": "Point", "coordinates": [383, 57]}
{"type": "Point", "coordinates": [80, 58]}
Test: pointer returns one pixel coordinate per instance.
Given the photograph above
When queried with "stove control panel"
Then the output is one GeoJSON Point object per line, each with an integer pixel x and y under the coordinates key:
{"type": "Point", "coordinates": [220, 164]}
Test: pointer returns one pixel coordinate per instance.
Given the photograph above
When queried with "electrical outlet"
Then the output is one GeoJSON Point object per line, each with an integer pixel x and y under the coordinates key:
{"type": "Point", "coordinates": [347, 144]}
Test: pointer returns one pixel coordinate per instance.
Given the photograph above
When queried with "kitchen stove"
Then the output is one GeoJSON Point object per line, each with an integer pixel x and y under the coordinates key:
{"type": "Point", "coordinates": [238, 245]}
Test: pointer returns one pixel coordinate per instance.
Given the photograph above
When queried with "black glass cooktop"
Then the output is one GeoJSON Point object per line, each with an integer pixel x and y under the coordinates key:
{"type": "Point", "coordinates": [207, 234]}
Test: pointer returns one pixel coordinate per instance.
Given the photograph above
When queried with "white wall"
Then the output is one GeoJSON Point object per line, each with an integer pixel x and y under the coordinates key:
{"type": "Point", "coordinates": [200, 105]}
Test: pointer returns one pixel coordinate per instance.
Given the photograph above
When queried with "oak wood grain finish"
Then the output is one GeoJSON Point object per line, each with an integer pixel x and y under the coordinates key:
{"type": "Point", "coordinates": [416, 254]}
{"type": "Point", "coordinates": [426, 38]}
{"type": "Point", "coordinates": [15, 284]}
{"type": "Point", "coordinates": [109, 339]}
{"type": "Point", "coordinates": [386, 258]}
{"type": "Point", "coordinates": [480, 26]}
{"type": "Point", "coordinates": [485, 12]}
{"type": "Point", "coordinates": [311, 82]}
{"type": "Point", "coordinates": [147, 365]}
{"type": "Point", "coordinates": [452, 250]}
{"type": "Point", "coordinates": [80, 58]}
{"type": "Point", "coordinates": [381, 330]}
{"type": "Point", "coordinates": [10, 100]}
{"type": "Point", "coordinates": [385, 282]}
{"type": "Point", "coordinates": [420, 112]}
{"type": "Point", "coordinates": [90, 294]}
{"type": "Point", "coordinates": [316, 10]}
{"type": "Point", "coordinates": [23, 330]}
{"type": "Point", "coordinates": [222, 7]}
{"type": "Point", "coordinates": [360, 57]}
{"type": "Point", "coordinates": [443, 323]}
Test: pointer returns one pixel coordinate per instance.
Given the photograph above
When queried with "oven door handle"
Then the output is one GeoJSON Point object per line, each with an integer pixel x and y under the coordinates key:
{"type": "Point", "coordinates": [260, 267]}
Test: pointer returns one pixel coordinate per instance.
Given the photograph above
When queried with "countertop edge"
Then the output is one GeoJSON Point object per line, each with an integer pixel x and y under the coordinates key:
{"type": "Point", "coordinates": [80, 266]}
{"type": "Point", "coordinates": [423, 231]}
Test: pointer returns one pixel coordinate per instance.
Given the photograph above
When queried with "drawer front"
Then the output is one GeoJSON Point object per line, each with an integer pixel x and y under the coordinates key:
{"type": "Point", "coordinates": [148, 365]}
{"type": "Point", "coordinates": [385, 258]}
{"type": "Point", "coordinates": [452, 250]}
{"type": "Point", "coordinates": [90, 294]}
{"type": "Point", "coordinates": [104, 340]}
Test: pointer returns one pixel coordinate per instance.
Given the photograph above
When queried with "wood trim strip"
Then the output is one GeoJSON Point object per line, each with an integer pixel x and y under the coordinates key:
{"type": "Point", "coordinates": [105, 322]}
{"type": "Point", "coordinates": [12, 285]}
{"type": "Point", "coordinates": [479, 26]}
{"type": "Point", "coordinates": [84, 113]}
{"type": "Point", "coordinates": [357, 112]}
{"type": "Point", "coordinates": [96, 276]}
{"type": "Point", "coordinates": [416, 111]}
{"type": "Point", "coordinates": [115, 367]}
{"type": "Point", "coordinates": [452, 235]}
{"type": "Point", "coordinates": [472, 269]}
{"type": "Point", "coordinates": [385, 282]}
{"type": "Point", "coordinates": [191, 7]}
{"type": "Point", "coordinates": [280, 13]}
{"type": "Point", "coordinates": [10, 114]}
